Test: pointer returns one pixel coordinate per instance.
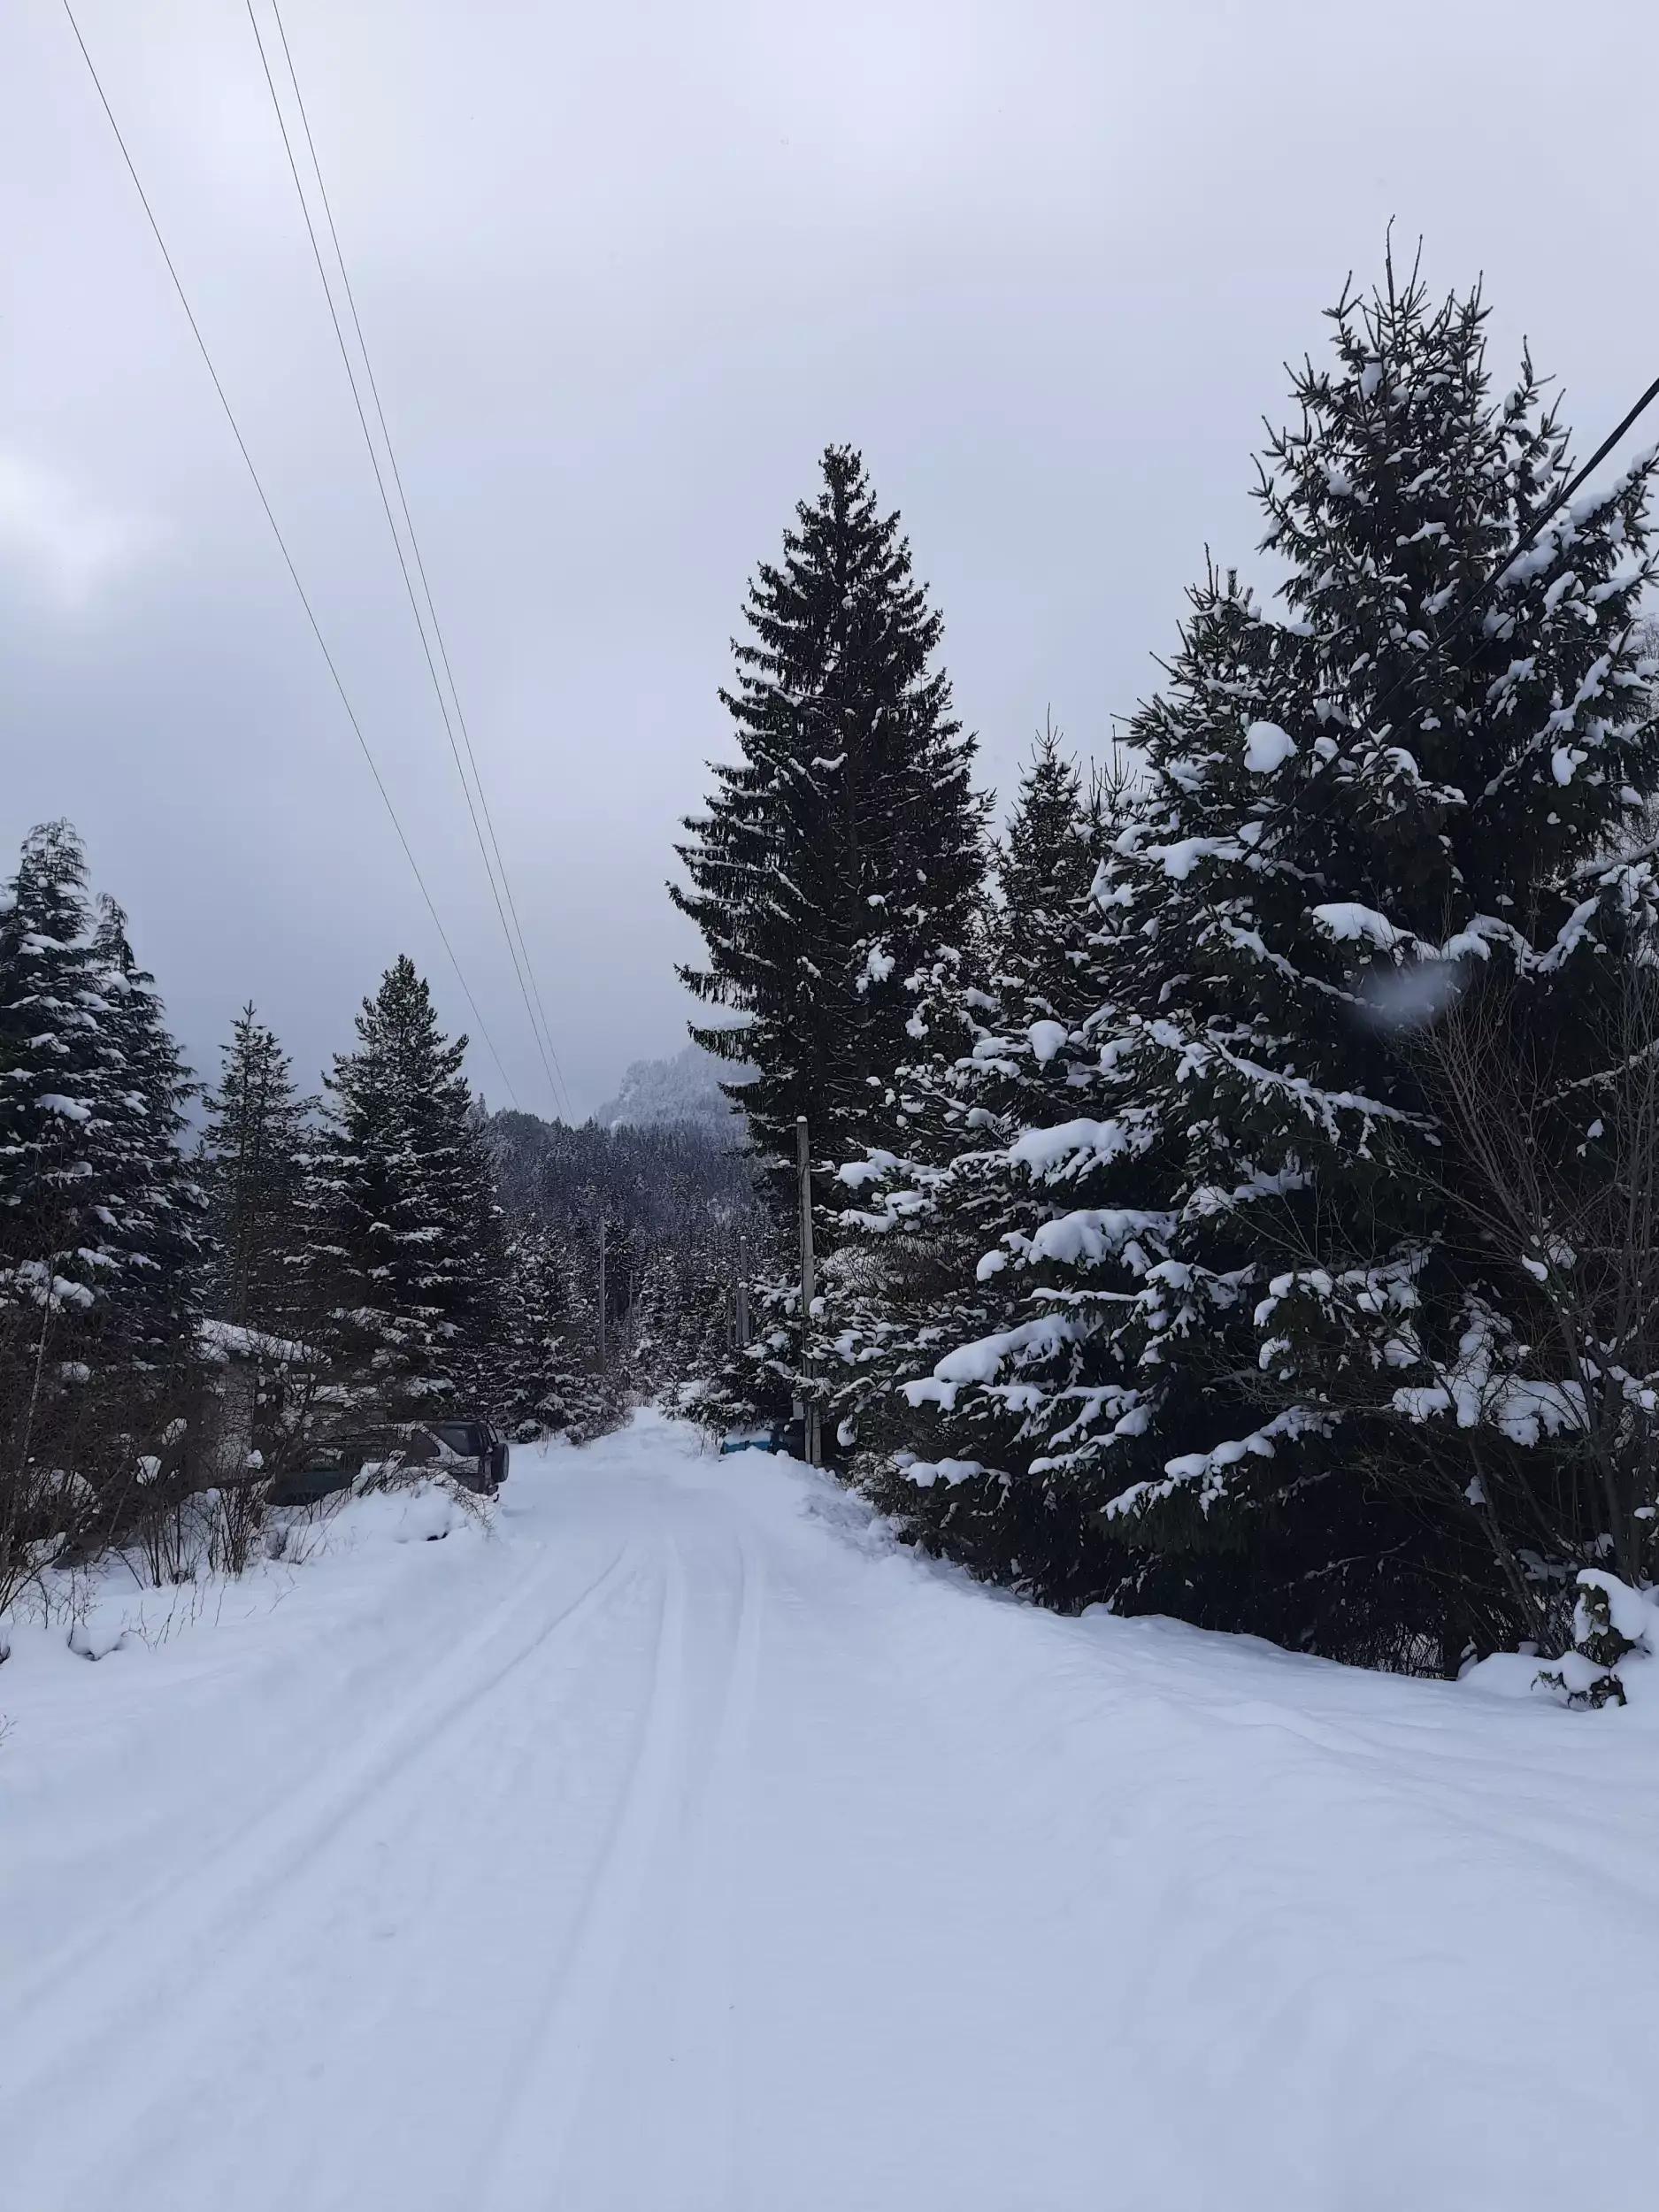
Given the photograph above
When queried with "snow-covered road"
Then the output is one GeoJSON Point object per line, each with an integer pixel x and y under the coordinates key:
{"type": "Point", "coordinates": [679, 1849]}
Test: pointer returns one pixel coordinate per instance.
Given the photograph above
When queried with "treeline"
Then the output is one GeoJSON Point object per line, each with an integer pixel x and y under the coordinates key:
{"type": "Point", "coordinates": [193, 1314]}
{"type": "Point", "coordinates": [673, 1208]}
{"type": "Point", "coordinates": [1234, 1183]}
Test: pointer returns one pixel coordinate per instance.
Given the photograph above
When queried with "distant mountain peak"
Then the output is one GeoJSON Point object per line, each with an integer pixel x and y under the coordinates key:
{"type": "Point", "coordinates": [685, 1087]}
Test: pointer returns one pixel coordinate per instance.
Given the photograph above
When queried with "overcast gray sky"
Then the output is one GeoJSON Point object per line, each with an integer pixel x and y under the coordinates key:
{"type": "Point", "coordinates": [625, 270]}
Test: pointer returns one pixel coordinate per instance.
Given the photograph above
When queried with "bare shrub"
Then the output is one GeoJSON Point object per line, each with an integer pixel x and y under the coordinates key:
{"type": "Point", "coordinates": [1557, 1196]}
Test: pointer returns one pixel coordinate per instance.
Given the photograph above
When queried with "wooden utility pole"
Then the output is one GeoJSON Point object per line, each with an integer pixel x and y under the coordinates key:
{"type": "Point", "coordinates": [740, 1314]}
{"type": "Point", "coordinates": [812, 1442]}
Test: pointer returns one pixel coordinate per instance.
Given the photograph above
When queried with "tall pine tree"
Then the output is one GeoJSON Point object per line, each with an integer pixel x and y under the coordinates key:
{"type": "Point", "coordinates": [843, 847]}
{"type": "Point", "coordinates": [841, 857]}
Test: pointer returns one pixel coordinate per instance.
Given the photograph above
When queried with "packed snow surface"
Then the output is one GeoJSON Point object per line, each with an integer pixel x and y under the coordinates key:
{"type": "Point", "coordinates": [678, 1845]}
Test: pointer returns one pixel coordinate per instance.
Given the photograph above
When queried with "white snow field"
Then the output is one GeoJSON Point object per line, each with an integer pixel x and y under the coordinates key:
{"type": "Point", "coordinates": [680, 1847]}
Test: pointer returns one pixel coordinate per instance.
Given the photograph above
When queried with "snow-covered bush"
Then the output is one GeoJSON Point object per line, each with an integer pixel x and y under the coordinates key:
{"type": "Point", "coordinates": [1612, 1622]}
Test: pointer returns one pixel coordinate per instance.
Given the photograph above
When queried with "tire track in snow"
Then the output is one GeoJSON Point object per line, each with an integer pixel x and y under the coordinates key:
{"type": "Point", "coordinates": [542, 2103]}
{"type": "Point", "coordinates": [699, 2165]}
{"type": "Point", "coordinates": [412, 1706]}
{"type": "Point", "coordinates": [663, 2043]}
{"type": "Point", "coordinates": [238, 1907]}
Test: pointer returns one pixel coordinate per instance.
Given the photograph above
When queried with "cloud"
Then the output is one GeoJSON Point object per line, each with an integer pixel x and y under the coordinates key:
{"type": "Point", "coordinates": [66, 543]}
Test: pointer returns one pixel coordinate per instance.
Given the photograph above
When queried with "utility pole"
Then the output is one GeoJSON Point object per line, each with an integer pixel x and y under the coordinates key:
{"type": "Point", "coordinates": [740, 1316]}
{"type": "Point", "coordinates": [812, 1442]}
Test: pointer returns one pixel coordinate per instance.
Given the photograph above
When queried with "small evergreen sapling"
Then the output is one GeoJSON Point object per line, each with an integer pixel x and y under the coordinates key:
{"type": "Point", "coordinates": [255, 1145]}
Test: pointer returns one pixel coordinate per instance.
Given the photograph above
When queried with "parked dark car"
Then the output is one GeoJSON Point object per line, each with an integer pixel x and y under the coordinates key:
{"type": "Point", "coordinates": [483, 1455]}
{"type": "Point", "coordinates": [782, 1436]}
{"type": "Point", "coordinates": [467, 1449]}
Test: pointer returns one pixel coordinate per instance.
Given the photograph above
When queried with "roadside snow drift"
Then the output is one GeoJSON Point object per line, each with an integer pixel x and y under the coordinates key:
{"type": "Point", "coordinates": [674, 1844]}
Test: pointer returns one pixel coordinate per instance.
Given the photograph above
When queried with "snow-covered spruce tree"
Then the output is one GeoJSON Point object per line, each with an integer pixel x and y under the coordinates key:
{"type": "Point", "coordinates": [710, 1271]}
{"type": "Point", "coordinates": [844, 845]}
{"type": "Point", "coordinates": [684, 1320]}
{"type": "Point", "coordinates": [268, 1331]}
{"type": "Point", "coordinates": [724, 1385]}
{"type": "Point", "coordinates": [1467, 789]}
{"type": "Point", "coordinates": [1043, 869]}
{"type": "Point", "coordinates": [1245, 1334]}
{"type": "Point", "coordinates": [597, 1373]}
{"type": "Point", "coordinates": [1005, 1050]}
{"type": "Point", "coordinates": [539, 1386]}
{"type": "Point", "coordinates": [254, 1149]}
{"type": "Point", "coordinates": [400, 1210]}
{"type": "Point", "coordinates": [97, 1198]}
{"type": "Point", "coordinates": [659, 1318]}
{"type": "Point", "coordinates": [60, 1071]}
{"type": "Point", "coordinates": [839, 853]}
{"type": "Point", "coordinates": [163, 1236]}
{"type": "Point", "coordinates": [61, 1413]}
{"type": "Point", "coordinates": [99, 1219]}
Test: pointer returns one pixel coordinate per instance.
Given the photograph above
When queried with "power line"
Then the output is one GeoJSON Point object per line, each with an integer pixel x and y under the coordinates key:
{"type": "Point", "coordinates": [386, 505]}
{"type": "Point", "coordinates": [392, 526]}
{"type": "Point", "coordinates": [288, 557]}
{"type": "Point", "coordinates": [523, 969]}
{"type": "Point", "coordinates": [1529, 538]}
{"type": "Point", "coordinates": [397, 477]}
{"type": "Point", "coordinates": [1442, 643]}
